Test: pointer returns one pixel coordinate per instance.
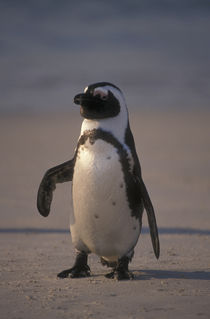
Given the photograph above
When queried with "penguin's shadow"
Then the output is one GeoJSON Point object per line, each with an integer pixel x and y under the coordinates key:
{"type": "Point", "coordinates": [170, 274]}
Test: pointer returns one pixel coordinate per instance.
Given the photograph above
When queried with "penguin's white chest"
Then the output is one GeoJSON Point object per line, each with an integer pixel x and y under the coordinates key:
{"type": "Point", "coordinates": [102, 219]}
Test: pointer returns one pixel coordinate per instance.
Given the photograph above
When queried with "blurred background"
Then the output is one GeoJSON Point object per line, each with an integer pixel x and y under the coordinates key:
{"type": "Point", "coordinates": [157, 52]}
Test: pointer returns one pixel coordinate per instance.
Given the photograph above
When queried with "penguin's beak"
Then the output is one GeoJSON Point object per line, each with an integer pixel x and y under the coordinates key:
{"type": "Point", "coordinates": [80, 98]}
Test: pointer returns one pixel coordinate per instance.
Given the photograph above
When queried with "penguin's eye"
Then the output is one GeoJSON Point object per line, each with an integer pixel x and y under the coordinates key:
{"type": "Point", "coordinates": [104, 97]}
{"type": "Point", "coordinates": [101, 93]}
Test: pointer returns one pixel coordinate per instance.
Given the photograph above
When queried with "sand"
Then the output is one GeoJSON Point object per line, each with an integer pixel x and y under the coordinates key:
{"type": "Point", "coordinates": [174, 149]}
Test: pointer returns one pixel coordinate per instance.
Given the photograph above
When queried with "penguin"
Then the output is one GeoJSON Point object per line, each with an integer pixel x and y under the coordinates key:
{"type": "Point", "coordinates": [108, 192]}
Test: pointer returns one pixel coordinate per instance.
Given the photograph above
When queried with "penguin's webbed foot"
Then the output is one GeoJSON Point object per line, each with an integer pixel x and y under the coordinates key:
{"type": "Point", "coordinates": [75, 272]}
{"type": "Point", "coordinates": [80, 268]}
{"type": "Point", "coordinates": [121, 272]}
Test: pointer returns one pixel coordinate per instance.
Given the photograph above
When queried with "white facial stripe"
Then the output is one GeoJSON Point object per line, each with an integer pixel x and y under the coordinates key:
{"type": "Point", "coordinates": [85, 90]}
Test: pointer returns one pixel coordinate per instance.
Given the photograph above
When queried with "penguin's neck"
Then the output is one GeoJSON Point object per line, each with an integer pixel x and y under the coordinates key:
{"type": "Point", "coordinates": [116, 126]}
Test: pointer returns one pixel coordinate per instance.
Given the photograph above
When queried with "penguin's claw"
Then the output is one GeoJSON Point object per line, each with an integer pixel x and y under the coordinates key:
{"type": "Point", "coordinates": [120, 275]}
{"type": "Point", "coordinates": [110, 275]}
{"type": "Point", "coordinates": [75, 272]}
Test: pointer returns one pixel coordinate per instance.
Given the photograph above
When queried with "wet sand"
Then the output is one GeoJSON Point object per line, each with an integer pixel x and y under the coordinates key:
{"type": "Point", "coordinates": [174, 150]}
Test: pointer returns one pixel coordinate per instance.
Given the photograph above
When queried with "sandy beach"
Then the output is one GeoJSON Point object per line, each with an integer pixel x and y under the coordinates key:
{"type": "Point", "coordinates": [174, 150]}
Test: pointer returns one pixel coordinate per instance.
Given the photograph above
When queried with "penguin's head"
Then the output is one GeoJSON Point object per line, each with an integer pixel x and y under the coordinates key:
{"type": "Point", "coordinates": [100, 101]}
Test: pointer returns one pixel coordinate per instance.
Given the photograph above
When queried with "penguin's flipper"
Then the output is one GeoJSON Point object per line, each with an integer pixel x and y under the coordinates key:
{"type": "Point", "coordinates": [151, 218]}
{"type": "Point", "coordinates": [58, 174]}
